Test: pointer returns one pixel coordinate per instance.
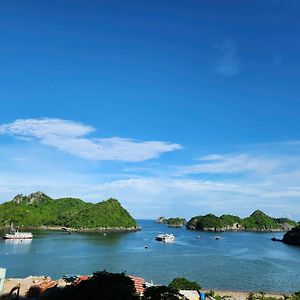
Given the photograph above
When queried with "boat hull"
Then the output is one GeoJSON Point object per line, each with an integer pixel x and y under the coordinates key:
{"type": "Point", "coordinates": [17, 238]}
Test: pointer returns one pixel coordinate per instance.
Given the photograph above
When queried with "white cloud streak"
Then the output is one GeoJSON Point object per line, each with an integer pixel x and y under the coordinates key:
{"type": "Point", "coordinates": [240, 163]}
{"type": "Point", "coordinates": [71, 137]}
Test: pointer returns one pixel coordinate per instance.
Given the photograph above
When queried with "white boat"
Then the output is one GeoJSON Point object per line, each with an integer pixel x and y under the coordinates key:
{"type": "Point", "coordinates": [16, 235]}
{"type": "Point", "coordinates": [167, 238]}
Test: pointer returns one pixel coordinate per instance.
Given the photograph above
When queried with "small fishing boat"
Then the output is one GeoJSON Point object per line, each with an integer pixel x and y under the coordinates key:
{"type": "Point", "coordinates": [216, 237]}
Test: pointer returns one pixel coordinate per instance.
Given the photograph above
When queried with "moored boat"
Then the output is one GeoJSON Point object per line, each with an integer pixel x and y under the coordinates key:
{"type": "Point", "coordinates": [18, 235]}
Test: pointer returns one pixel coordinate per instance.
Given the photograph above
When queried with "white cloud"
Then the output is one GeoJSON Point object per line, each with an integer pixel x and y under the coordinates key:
{"type": "Point", "coordinates": [211, 157]}
{"type": "Point", "coordinates": [150, 197]}
{"type": "Point", "coordinates": [266, 178]}
{"type": "Point", "coordinates": [227, 61]}
{"type": "Point", "coordinates": [239, 163]}
{"type": "Point", "coordinates": [71, 137]}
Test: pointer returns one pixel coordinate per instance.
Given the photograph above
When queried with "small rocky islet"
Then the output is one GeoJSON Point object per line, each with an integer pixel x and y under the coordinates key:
{"type": "Point", "coordinates": [292, 237]}
{"type": "Point", "coordinates": [172, 222]}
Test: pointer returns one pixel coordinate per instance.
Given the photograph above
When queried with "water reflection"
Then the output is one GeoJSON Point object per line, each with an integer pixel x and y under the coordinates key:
{"type": "Point", "coordinates": [18, 241]}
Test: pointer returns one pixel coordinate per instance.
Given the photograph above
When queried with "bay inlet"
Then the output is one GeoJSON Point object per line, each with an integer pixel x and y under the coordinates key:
{"type": "Point", "coordinates": [244, 261]}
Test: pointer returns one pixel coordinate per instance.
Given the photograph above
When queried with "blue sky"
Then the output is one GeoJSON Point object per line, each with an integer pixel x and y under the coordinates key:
{"type": "Point", "coordinates": [173, 107]}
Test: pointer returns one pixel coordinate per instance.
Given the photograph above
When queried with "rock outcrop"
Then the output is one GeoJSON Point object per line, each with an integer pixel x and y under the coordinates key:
{"type": "Point", "coordinates": [292, 237]}
{"type": "Point", "coordinates": [36, 197]}
{"type": "Point", "coordinates": [161, 220]}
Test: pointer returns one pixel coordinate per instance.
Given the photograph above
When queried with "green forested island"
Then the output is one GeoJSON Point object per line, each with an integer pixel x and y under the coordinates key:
{"type": "Point", "coordinates": [39, 210]}
{"type": "Point", "coordinates": [171, 222]}
{"type": "Point", "coordinates": [257, 221]}
{"type": "Point", "coordinates": [176, 222]}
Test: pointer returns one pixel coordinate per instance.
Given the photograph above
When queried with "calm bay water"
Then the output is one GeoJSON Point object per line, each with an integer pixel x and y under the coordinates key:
{"type": "Point", "coordinates": [238, 261]}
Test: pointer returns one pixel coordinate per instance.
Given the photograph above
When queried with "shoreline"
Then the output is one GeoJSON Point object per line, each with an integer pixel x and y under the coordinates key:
{"type": "Point", "coordinates": [25, 284]}
{"type": "Point", "coordinates": [83, 230]}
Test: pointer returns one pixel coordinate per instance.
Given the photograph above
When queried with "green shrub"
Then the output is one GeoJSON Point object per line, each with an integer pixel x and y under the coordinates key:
{"type": "Point", "coordinates": [181, 283]}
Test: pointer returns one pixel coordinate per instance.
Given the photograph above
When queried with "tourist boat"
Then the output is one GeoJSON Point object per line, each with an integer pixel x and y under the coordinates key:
{"type": "Point", "coordinates": [167, 238]}
{"type": "Point", "coordinates": [16, 235]}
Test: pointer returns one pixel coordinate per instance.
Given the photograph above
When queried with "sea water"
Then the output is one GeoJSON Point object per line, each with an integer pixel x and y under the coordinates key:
{"type": "Point", "coordinates": [246, 261]}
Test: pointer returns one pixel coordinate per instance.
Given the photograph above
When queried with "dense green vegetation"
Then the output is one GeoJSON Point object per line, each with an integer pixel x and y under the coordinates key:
{"type": "Point", "coordinates": [262, 296]}
{"type": "Point", "coordinates": [256, 221]}
{"type": "Point", "coordinates": [260, 221]}
{"type": "Point", "coordinates": [181, 283]}
{"type": "Point", "coordinates": [38, 209]}
{"type": "Point", "coordinates": [287, 221]}
{"type": "Point", "coordinates": [230, 220]}
{"type": "Point", "coordinates": [209, 221]}
{"type": "Point", "coordinates": [176, 222]}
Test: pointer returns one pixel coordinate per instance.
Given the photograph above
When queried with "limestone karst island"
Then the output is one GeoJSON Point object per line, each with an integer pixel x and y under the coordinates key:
{"type": "Point", "coordinates": [39, 211]}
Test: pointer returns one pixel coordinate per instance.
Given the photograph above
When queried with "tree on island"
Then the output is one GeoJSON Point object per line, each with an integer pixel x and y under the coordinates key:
{"type": "Point", "coordinates": [181, 283]}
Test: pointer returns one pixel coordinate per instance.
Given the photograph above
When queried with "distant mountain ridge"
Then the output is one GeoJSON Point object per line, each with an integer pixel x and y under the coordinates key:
{"type": "Point", "coordinates": [257, 221]}
{"type": "Point", "coordinates": [39, 210]}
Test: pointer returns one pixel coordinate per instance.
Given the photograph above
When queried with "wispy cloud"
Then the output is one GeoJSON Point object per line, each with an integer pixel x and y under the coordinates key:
{"type": "Point", "coordinates": [264, 176]}
{"type": "Point", "coordinates": [149, 197]}
{"type": "Point", "coordinates": [227, 60]}
{"type": "Point", "coordinates": [71, 137]}
{"type": "Point", "coordinates": [232, 163]}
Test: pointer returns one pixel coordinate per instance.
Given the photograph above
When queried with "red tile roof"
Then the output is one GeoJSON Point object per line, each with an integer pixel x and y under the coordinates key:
{"type": "Point", "coordinates": [139, 284]}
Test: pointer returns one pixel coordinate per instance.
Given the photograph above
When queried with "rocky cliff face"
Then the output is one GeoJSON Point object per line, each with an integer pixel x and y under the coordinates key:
{"type": "Point", "coordinates": [161, 220]}
{"type": "Point", "coordinates": [234, 227]}
{"type": "Point", "coordinates": [31, 199]}
{"type": "Point", "coordinates": [292, 237]}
